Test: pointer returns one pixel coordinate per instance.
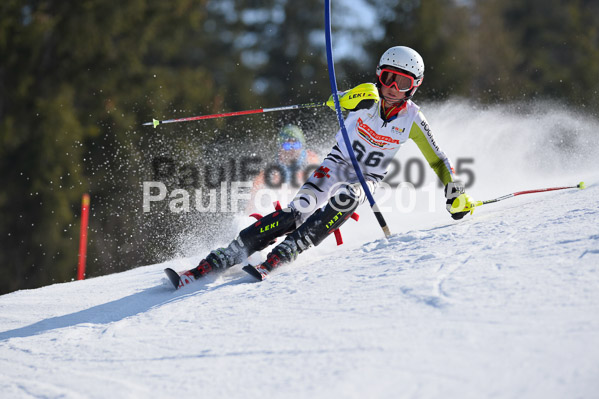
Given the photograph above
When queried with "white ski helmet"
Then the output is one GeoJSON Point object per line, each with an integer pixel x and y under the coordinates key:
{"type": "Point", "coordinates": [405, 59]}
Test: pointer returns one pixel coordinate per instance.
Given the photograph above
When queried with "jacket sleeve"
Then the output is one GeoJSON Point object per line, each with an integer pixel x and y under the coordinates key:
{"type": "Point", "coordinates": [421, 133]}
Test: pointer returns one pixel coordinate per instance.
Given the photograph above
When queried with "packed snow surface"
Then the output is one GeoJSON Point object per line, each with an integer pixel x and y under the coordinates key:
{"type": "Point", "coordinates": [504, 303]}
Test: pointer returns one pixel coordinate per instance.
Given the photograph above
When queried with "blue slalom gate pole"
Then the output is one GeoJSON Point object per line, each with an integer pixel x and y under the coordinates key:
{"type": "Point", "coordinates": [333, 80]}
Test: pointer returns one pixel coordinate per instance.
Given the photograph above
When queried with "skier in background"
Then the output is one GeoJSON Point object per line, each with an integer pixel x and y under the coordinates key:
{"type": "Point", "coordinates": [293, 159]}
{"type": "Point", "coordinates": [332, 193]}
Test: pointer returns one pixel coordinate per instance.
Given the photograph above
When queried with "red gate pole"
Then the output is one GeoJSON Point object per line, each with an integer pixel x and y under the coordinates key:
{"type": "Point", "coordinates": [83, 236]}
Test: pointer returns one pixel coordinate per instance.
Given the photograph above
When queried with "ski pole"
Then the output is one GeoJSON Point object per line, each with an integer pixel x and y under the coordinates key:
{"type": "Point", "coordinates": [156, 122]}
{"type": "Point", "coordinates": [580, 185]}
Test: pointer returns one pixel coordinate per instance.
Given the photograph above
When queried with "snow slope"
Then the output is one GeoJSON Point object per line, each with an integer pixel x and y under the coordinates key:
{"type": "Point", "coordinates": [502, 304]}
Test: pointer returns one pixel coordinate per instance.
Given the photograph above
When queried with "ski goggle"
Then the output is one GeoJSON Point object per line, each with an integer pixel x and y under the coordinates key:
{"type": "Point", "coordinates": [402, 82]}
{"type": "Point", "coordinates": [291, 145]}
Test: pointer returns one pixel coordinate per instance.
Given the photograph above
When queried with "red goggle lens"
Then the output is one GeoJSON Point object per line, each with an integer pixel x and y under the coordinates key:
{"type": "Point", "coordinates": [401, 81]}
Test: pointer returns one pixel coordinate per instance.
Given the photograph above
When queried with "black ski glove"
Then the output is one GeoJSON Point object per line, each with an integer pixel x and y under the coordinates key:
{"type": "Point", "coordinates": [458, 203]}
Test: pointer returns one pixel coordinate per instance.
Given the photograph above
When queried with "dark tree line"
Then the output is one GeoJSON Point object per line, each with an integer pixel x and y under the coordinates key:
{"type": "Point", "coordinates": [77, 79]}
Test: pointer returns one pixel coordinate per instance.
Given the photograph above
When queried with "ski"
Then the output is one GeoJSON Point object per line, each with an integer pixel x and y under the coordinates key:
{"type": "Point", "coordinates": [179, 279]}
{"type": "Point", "coordinates": [259, 272]}
{"type": "Point", "coordinates": [186, 277]}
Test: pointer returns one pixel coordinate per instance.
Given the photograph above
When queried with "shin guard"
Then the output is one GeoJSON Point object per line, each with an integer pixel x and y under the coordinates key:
{"type": "Point", "coordinates": [314, 230]}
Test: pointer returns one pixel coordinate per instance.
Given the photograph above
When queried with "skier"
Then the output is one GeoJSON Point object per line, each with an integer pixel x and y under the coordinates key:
{"type": "Point", "coordinates": [376, 130]}
{"type": "Point", "coordinates": [292, 161]}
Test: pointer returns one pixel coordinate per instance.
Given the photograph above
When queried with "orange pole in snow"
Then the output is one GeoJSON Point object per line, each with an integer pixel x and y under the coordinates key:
{"type": "Point", "coordinates": [83, 236]}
